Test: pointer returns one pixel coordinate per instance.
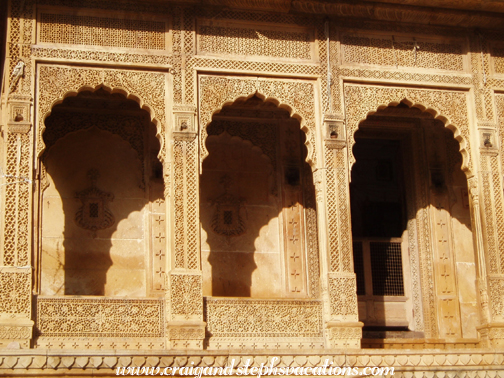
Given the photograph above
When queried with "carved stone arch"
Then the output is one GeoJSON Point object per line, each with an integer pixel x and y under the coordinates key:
{"type": "Point", "coordinates": [450, 107]}
{"type": "Point", "coordinates": [148, 89]}
{"type": "Point", "coordinates": [295, 96]}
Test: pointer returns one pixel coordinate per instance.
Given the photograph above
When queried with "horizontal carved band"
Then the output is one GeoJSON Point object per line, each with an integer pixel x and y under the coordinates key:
{"type": "Point", "coordinates": [264, 318]}
{"type": "Point", "coordinates": [77, 317]}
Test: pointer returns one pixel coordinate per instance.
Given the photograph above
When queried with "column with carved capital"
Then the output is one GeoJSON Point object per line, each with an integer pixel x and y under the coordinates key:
{"type": "Point", "coordinates": [488, 221]}
{"type": "Point", "coordinates": [16, 268]}
{"type": "Point", "coordinates": [16, 179]}
{"type": "Point", "coordinates": [343, 329]}
{"type": "Point", "coordinates": [186, 329]}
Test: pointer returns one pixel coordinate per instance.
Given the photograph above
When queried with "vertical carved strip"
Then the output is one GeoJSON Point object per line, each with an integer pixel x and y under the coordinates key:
{"type": "Point", "coordinates": [311, 236]}
{"type": "Point", "coordinates": [343, 211]}
{"type": "Point", "coordinates": [332, 211]}
{"type": "Point", "coordinates": [177, 58]}
{"type": "Point", "coordinates": [489, 216]}
{"type": "Point", "coordinates": [498, 203]}
{"type": "Point", "coordinates": [192, 202]}
{"type": "Point", "coordinates": [179, 203]}
{"type": "Point", "coordinates": [189, 51]}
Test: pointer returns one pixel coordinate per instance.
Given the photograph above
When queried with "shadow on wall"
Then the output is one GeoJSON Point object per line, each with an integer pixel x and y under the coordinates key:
{"type": "Point", "coordinates": [254, 175]}
{"type": "Point", "coordinates": [102, 173]}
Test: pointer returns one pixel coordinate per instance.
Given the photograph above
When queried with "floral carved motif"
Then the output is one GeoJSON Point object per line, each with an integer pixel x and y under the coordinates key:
{"type": "Point", "coordinates": [263, 318]}
{"type": "Point", "coordinates": [61, 317]}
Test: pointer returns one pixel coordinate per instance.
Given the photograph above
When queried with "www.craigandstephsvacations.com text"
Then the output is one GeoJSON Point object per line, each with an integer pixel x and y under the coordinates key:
{"type": "Point", "coordinates": [327, 369]}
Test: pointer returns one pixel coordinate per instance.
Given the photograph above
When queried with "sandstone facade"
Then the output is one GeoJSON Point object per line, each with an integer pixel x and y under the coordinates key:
{"type": "Point", "coordinates": [184, 184]}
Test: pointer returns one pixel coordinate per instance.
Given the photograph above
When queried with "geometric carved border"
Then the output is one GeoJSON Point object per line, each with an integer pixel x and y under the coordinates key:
{"type": "Point", "coordinates": [296, 96]}
{"type": "Point", "coordinates": [77, 317]}
{"type": "Point", "coordinates": [58, 82]}
{"type": "Point", "coordinates": [448, 106]}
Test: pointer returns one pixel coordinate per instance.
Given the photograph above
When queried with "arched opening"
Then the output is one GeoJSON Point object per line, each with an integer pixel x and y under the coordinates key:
{"type": "Point", "coordinates": [257, 205]}
{"type": "Point", "coordinates": [412, 233]}
{"type": "Point", "coordinates": [97, 206]}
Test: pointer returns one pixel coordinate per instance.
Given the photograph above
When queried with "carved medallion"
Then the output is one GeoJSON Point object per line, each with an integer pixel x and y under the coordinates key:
{"type": "Point", "coordinates": [227, 220]}
{"type": "Point", "coordinates": [94, 214]}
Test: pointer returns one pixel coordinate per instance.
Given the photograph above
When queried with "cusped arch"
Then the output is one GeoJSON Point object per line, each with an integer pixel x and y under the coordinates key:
{"type": "Point", "coordinates": [111, 90]}
{"type": "Point", "coordinates": [147, 88]}
{"type": "Point", "coordinates": [296, 96]}
{"type": "Point", "coordinates": [448, 107]}
{"type": "Point", "coordinates": [264, 98]}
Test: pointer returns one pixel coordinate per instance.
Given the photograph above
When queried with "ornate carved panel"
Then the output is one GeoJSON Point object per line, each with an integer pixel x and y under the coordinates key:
{"type": "Point", "coordinates": [233, 38]}
{"type": "Point", "coordinates": [15, 293]}
{"type": "Point", "coordinates": [78, 317]}
{"type": "Point", "coordinates": [186, 296]}
{"type": "Point", "coordinates": [403, 52]}
{"type": "Point", "coordinates": [263, 318]}
{"type": "Point", "coordinates": [92, 30]}
{"type": "Point", "coordinates": [343, 295]}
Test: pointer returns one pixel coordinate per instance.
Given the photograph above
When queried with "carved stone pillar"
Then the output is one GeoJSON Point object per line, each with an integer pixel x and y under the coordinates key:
{"type": "Point", "coordinates": [489, 240]}
{"type": "Point", "coordinates": [16, 271]}
{"type": "Point", "coordinates": [343, 328]}
{"type": "Point", "coordinates": [186, 329]}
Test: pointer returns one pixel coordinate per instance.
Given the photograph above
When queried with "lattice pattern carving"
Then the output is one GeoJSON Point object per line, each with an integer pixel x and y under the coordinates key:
{"type": "Point", "coordinates": [186, 203]}
{"type": "Point", "coordinates": [389, 52]}
{"type": "Point", "coordinates": [15, 293]}
{"type": "Point", "coordinates": [238, 40]}
{"type": "Point", "coordinates": [215, 92]}
{"type": "Point", "coordinates": [102, 31]}
{"type": "Point", "coordinates": [263, 318]}
{"type": "Point", "coordinates": [343, 295]}
{"type": "Point", "coordinates": [452, 105]}
{"type": "Point", "coordinates": [17, 198]}
{"type": "Point", "coordinates": [186, 295]}
{"type": "Point", "coordinates": [77, 317]}
{"type": "Point", "coordinates": [496, 291]}
{"type": "Point", "coordinates": [59, 81]}
{"type": "Point", "coordinates": [332, 212]}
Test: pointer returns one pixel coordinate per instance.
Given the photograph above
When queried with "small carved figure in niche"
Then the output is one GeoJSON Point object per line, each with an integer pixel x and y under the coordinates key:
{"type": "Point", "coordinates": [227, 220]}
{"type": "Point", "coordinates": [94, 214]}
{"type": "Point", "coordinates": [487, 142]}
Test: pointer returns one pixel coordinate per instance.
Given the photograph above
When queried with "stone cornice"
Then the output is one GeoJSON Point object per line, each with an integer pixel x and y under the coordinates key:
{"type": "Point", "coordinates": [401, 13]}
{"type": "Point", "coordinates": [31, 361]}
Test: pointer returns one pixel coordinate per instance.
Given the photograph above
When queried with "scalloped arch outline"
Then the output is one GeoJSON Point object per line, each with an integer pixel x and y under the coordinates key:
{"type": "Point", "coordinates": [112, 90]}
{"type": "Point", "coordinates": [410, 101]}
{"type": "Point", "coordinates": [206, 115]}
